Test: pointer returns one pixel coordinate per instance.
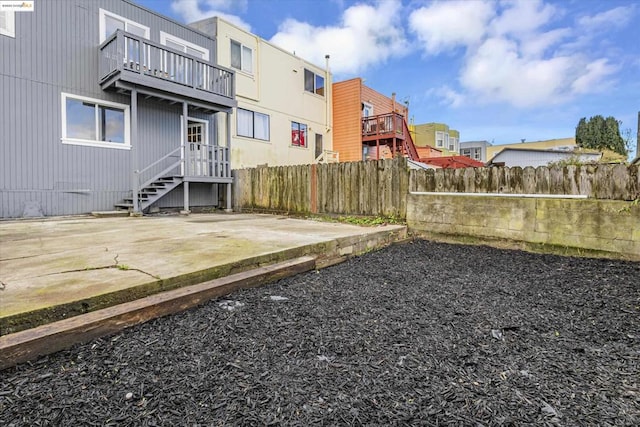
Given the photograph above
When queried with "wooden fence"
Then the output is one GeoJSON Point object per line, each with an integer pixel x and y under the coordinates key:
{"type": "Point", "coordinates": [616, 182]}
{"type": "Point", "coordinates": [374, 188]}
{"type": "Point", "coordinates": [379, 188]}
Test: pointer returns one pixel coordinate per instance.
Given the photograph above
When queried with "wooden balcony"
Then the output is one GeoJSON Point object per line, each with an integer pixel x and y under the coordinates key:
{"type": "Point", "coordinates": [126, 59]}
{"type": "Point", "coordinates": [383, 126]}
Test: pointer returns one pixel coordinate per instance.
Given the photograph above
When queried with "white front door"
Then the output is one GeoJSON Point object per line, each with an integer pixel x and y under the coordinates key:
{"type": "Point", "coordinates": [197, 149]}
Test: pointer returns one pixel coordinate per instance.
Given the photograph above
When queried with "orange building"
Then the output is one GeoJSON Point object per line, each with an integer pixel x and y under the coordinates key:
{"type": "Point", "coordinates": [368, 125]}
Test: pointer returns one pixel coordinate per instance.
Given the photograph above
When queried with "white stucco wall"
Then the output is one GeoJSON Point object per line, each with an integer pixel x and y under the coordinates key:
{"type": "Point", "coordinates": [276, 88]}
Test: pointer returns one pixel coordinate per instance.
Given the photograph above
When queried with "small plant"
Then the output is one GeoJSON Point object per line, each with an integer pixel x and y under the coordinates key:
{"type": "Point", "coordinates": [123, 267]}
{"type": "Point", "coordinates": [369, 221]}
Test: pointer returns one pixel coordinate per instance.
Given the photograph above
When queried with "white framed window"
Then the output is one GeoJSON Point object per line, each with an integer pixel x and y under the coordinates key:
{"type": "Point", "coordinates": [367, 109]}
{"type": "Point", "coordinates": [8, 23]}
{"type": "Point", "coordinates": [439, 139]}
{"type": "Point", "coordinates": [453, 143]}
{"type": "Point", "coordinates": [313, 82]}
{"type": "Point", "coordinates": [110, 22]}
{"type": "Point", "coordinates": [253, 125]}
{"type": "Point", "coordinates": [94, 122]}
{"type": "Point", "coordinates": [298, 134]}
{"type": "Point", "coordinates": [184, 46]}
{"type": "Point", "coordinates": [241, 57]}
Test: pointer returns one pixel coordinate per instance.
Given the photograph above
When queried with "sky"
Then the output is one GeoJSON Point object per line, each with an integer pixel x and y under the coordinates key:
{"type": "Point", "coordinates": [495, 70]}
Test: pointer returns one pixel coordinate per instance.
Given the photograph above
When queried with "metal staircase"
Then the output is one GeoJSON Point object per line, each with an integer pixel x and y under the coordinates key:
{"type": "Point", "coordinates": [151, 193]}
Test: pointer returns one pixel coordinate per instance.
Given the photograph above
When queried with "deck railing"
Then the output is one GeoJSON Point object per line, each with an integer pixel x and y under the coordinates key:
{"type": "Point", "coordinates": [383, 124]}
{"type": "Point", "coordinates": [207, 161]}
{"type": "Point", "coordinates": [127, 52]}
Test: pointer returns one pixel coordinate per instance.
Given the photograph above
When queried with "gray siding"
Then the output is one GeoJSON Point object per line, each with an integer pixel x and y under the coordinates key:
{"type": "Point", "coordinates": [56, 50]}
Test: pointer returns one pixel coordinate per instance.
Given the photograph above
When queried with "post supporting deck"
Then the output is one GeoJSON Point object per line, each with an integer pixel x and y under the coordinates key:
{"type": "Point", "coordinates": [134, 158]}
{"type": "Point", "coordinates": [185, 144]}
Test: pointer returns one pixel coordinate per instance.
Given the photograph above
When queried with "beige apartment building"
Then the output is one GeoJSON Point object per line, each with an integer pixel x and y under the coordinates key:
{"type": "Point", "coordinates": [284, 112]}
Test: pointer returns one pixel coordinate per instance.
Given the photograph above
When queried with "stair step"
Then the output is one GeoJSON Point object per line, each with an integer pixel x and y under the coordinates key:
{"type": "Point", "coordinates": [152, 192]}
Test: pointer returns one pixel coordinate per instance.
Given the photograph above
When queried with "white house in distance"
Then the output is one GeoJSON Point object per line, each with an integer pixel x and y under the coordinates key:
{"type": "Point", "coordinates": [284, 102]}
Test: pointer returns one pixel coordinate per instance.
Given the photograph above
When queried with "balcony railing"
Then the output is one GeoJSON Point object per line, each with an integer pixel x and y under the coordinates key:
{"type": "Point", "coordinates": [384, 125]}
{"type": "Point", "coordinates": [126, 52]}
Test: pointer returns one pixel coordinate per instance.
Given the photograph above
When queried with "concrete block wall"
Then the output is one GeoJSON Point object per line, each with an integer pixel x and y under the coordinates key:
{"type": "Point", "coordinates": [600, 225]}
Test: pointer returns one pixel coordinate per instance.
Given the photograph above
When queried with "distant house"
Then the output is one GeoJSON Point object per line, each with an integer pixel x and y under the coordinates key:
{"type": "Point", "coordinates": [284, 102]}
{"type": "Point", "coordinates": [476, 150]}
{"type": "Point", "coordinates": [566, 144]}
{"type": "Point", "coordinates": [105, 103]}
{"type": "Point", "coordinates": [437, 135]}
{"type": "Point", "coordinates": [523, 157]}
{"type": "Point", "coordinates": [369, 125]}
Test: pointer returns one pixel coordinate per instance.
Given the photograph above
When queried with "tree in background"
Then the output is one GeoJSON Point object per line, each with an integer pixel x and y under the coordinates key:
{"type": "Point", "coordinates": [599, 133]}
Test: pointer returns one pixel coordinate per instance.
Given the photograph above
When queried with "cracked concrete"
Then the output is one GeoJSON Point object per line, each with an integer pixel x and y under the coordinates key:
{"type": "Point", "coordinates": [52, 263]}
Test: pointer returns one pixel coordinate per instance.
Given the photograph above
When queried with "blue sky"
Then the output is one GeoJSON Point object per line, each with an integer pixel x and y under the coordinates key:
{"type": "Point", "coordinates": [496, 70]}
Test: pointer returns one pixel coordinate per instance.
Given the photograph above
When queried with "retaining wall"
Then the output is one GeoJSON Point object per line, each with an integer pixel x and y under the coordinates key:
{"type": "Point", "coordinates": [600, 225]}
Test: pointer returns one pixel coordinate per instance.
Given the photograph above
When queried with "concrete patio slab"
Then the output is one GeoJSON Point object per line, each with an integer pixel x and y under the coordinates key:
{"type": "Point", "coordinates": [53, 269]}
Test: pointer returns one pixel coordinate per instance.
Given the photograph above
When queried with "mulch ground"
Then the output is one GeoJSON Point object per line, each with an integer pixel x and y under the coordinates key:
{"type": "Point", "coordinates": [417, 334]}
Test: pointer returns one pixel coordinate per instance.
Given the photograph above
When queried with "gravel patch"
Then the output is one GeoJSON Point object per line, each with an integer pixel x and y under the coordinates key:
{"type": "Point", "coordinates": [418, 334]}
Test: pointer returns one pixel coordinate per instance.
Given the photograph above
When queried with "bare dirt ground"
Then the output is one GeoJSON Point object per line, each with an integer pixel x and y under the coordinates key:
{"type": "Point", "coordinates": [417, 334]}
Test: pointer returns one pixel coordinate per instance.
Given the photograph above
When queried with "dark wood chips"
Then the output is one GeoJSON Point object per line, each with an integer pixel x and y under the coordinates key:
{"type": "Point", "coordinates": [417, 334]}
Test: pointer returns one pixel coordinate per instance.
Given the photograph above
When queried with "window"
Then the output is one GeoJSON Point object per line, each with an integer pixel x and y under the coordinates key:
{"type": "Point", "coordinates": [184, 46]}
{"type": "Point", "coordinates": [94, 122]}
{"type": "Point", "coordinates": [319, 147]}
{"type": "Point", "coordinates": [241, 57]}
{"type": "Point", "coordinates": [439, 139]}
{"type": "Point", "coordinates": [367, 109]}
{"type": "Point", "coordinates": [298, 134]}
{"type": "Point", "coordinates": [110, 22]}
{"type": "Point", "coordinates": [8, 23]}
{"type": "Point", "coordinates": [313, 82]}
{"type": "Point", "coordinates": [453, 144]}
{"type": "Point", "coordinates": [253, 125]}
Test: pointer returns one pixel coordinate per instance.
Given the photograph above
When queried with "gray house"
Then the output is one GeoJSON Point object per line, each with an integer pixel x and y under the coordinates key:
{"type": "Point", "coordinates": [105, 103]}
{"type": "Point", "coordinates": [476, 150]}
{"type": "Point", "coordinates": [522, 157]}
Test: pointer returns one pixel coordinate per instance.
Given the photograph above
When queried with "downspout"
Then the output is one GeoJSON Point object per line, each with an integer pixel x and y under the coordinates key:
{"type": "Point", "coordinates": [328, 101]}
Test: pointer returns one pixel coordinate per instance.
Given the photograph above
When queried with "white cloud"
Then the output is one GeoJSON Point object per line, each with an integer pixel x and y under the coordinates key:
{"type": "Point", "coordinates": [367, 35]}
{"type": "Point", "coordinates": [445, 25]}
{"type": "Point", "coordinates": [513, 52]}
{"type": "Point", "coordinates": [195, 10]}
{"type": "Point", "coordinates": [619, 16]}
{"type": "Point", "coordinates": [591, 80]}
{"type": "Point", "coordinates": [522, 17]}
{"type": "Point", "coordinates": [449, 96]}
{"type": "Point", "coordinates": [497, 72]}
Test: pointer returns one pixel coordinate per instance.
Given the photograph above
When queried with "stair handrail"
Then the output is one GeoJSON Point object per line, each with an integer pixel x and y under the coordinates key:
{"type": "Point", "coordinates": [328, 156]}
{"type": "Point", "coordinates": [162, 173]}
{"type": "Point", "coordinates": [410, 147]}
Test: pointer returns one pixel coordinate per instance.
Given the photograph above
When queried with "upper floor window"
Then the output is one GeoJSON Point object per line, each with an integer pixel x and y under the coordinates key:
{"type": "Point", "coordinates": [367, 109]}
{"type": "Point", "coordinates": [440, 139]}
{"type": "Point", "coordinates": [253, 125]}
{"type": "Point", "coordinates": [453, 143]}
{"type": "Point", "coordinates": [8, 23]}
{"type": "Point", "coordinates": [313, 82]}
{"type": "Point", "coordinates": [184, 46]}
{"type": "Point", "coordinates": [110, 22]}
{"type": "Point", "coordinates": [94, 122]}
{"type": "Point", "coordinates": [298, 134]}
{"type": "Point", "coordinates": [241, 57]}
